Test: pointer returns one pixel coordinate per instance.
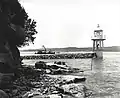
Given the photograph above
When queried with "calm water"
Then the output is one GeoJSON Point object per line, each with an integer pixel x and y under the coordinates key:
{"type": "Point", "coordinates": [103, 76]}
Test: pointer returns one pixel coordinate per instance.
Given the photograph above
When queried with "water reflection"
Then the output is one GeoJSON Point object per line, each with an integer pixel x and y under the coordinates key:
{"type": "Point", "coordinates": [101, 82]}
{"type": "Point", "coordinates": [97, 68]}
{"type": "Point", "coordinates": [97, 64]}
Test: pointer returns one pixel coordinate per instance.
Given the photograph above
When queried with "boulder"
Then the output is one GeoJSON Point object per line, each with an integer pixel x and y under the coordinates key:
{"type": "Point", "coordinates": [32, 94]}
{"type": "Point", "coordinates": [60, 63]}
{"type": "Point", "coordinates": [37, 94]}
{"type": "Point", "coordinates": [58, 71]}
{"type": "Point", "coordinates": [48, 96]}
{"type": "Point", "coordinates": [3, 94]}
{"type": "Point", "coordinates": [6, 80]}
{"type": "Point", "coordinates": [76, 90]}
{"type": "Point", "coordinates": [64, 71]}
{"type": "Point", "coordinates": [51, 65]}
{"type": "Point", "coordinates": [61, 68]}
{"type": "Point", "coordinates": [48, 71]}
{"type": "Point", "coordinates": [73, 79]}
{"type": "Point", "coordinates": [40, 65]}
{"type": "Point", "coordinates": [68, 79]}
{"type": "Point", "coordinates": [54, 96]}
{"type": "Point", "coordinates": [56, 66]}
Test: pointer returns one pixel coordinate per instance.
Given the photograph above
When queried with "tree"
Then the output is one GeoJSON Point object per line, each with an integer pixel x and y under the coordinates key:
{"type": "Point", "coordinates": [19, 17]}
{"type": "Point", "coordinates": [30, 31]}
{"type": "Point", "coordinates": [16, 28]}
{"type": "Point", "coordinates": [29, 26]}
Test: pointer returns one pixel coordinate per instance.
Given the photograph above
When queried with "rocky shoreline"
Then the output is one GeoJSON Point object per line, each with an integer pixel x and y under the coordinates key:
{"type": "Point", "coordinates": [37, 82]}
{"type": "Point", "coordinates": [60, 56]}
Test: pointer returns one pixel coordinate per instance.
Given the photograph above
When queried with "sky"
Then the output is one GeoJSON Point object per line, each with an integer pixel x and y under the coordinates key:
{"type": "Point", "coordinates": [71, 23]}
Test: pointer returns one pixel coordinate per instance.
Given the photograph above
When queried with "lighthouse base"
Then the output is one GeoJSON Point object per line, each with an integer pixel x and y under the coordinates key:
{"type": "Point", "coordinates": [99, 54]}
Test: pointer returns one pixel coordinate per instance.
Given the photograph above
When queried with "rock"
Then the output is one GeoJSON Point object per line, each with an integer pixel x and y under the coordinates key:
{"type": "Point", "coordinates": [6, 80]}
{"type": "Point", "coordinates": [58, 71]}
{"type": "Point", "coordinates": [73, 88]}
{"type": "Point", "coordinates": [48, 96]}
{"type": "Point", "coordinates": [67, 96]}
{"type": "Point", "coordinates": [40, 65]}
{"type": "Point", "coordinates": [55, 92]}
{"type": "Point", "coordinates": [15, 91]}
{"type": "Point", "coordinates": [56, 66]}
{"type": "Point", "coordinates": [54, 96]}
{"type": "Point", "coordinates": [76, 90]}
{"type": "Point", "coordinates": [60, 63]}
{"type": "Point", "coordinates": [3, 94]}
{"type": "Point", "coordinates": [48, 71]}
{"type": "Point", "coordinates": [31, 94]}
{"type": "Point", "coordinates": [75, 70]}
{"type": "Point", "coordinates": [26, 95]}
{"type": "Point", "coordinates": [43, 85]}
{"type": "Point", "coordinates": [64, 71]}
{"type": "Point", "coordinates": [38, 95]}
{"type": "Point", "coordinates": [71, 79]}
{"type": "Point", "coordinates": [76, 80]}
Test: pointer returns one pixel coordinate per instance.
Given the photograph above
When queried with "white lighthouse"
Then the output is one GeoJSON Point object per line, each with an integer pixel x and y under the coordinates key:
{"type": "Point", "coordinates": [98, 42]}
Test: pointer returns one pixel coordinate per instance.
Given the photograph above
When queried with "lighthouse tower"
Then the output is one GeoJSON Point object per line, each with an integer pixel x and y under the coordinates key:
{"type": "Point", "coordinates": [98, 42]}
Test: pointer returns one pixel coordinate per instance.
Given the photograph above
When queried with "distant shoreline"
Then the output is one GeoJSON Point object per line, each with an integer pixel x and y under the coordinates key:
{"type": "Point", "coordinates": [76, 49]}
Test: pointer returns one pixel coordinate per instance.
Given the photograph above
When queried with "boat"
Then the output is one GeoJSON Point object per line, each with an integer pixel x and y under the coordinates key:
{"type": "Point", "coordinates": [44, 51]}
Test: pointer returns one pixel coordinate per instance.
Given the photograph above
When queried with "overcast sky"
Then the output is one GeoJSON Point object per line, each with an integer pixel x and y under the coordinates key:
{"type": "Point", "coordinates": [70, 23]}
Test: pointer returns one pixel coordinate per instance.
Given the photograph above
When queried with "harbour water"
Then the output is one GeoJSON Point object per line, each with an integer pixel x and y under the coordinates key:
{"type": "Point", "coordinates": [103, 75]}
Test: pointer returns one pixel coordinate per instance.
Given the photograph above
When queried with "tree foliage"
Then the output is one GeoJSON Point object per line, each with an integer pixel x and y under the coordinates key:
{"type": "Point", "coordinates": [30, 30]}
{"type": "Point", "coordinates": [19, 17]}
